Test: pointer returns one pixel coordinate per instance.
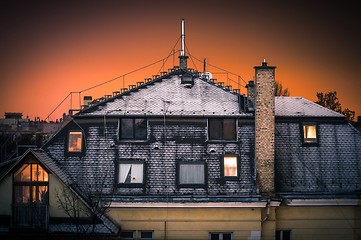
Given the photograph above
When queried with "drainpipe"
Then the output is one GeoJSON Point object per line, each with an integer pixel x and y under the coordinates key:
{"type": "Point", "coordinates": [268, 205]}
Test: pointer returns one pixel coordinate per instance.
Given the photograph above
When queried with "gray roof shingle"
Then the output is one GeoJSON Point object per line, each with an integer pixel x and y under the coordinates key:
{"type": "Point", "coordinates": [170, 95]}
{"type": "Point", "coordinates": [202, 99]}
{"type": "Point", "coordinates": [301, 107]}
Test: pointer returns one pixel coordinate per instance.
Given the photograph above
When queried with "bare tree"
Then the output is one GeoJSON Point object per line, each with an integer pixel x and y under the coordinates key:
{"type": "Point", "coordinates": [85, 215]}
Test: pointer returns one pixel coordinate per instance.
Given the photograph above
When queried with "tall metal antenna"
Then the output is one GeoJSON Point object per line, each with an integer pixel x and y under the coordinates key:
{"type": "Point", "coordinates": [182, 56]}
{"type": "Point", "coordinates": [182, 53]}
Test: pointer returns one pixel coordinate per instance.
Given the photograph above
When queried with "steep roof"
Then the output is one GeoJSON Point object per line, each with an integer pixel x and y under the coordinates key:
{"type": "Point", "coordinates": [167, 95]}
{"type": "Point", "coordinates": [42, 157]}
{"type": "Point", "coordinates": [301, 107]}
{"type": "Point", "coordinates": [203, 98]}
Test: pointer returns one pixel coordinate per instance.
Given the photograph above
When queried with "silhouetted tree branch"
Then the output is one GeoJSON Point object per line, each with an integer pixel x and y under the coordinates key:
{"type": "Point", "coordinates": [330, 101]}
{"type": "Point", "coordinates": [279, 91]}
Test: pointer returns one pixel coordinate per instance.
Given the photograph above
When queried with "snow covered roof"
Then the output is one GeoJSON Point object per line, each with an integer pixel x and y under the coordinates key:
{"type": "Point", "coordinates": [169, 96]}
{"type": "Point", "coordinates": [301, 107]}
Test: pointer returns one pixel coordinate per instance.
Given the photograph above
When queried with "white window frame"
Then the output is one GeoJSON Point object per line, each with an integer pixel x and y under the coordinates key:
{"type": "Point", "coordinates": [132, 173]}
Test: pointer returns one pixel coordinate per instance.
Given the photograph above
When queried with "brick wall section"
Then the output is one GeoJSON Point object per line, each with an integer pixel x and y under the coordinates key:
{"type": "Point", "coordinates": [264, 126]}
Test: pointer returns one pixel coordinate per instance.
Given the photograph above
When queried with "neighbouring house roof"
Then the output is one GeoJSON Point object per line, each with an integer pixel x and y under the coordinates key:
{"type": "Point", "coordinates": [301, 107]}
{"type": "Point", "coordinates": [107, 227]}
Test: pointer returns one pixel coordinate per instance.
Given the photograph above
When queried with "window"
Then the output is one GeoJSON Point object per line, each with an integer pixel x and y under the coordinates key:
{"type": "Point", "coordinates": [75, 140]}
{"type": "Point", "coordinates": [220, 236]}
{"type": "Point", "coordinates": [30, 202]}
{"type": "Point", "coordinates": [133, 129]}
{"type": "Point", "coordinates": [146, 235]}
{"type": "Point", "coordinates": [283, 234]}
{"type": "Point", "coordinates": [191, 173]}
{"type": "Point", "coordinates": [230, 166]}
{"type": "Point", "coordinates": [127, 235]}
{"type": "Point", "coordinates": [309, 133]}
{"type": "Point", "coordinates": [222, 129]}
{"type": "Point", "coordinates": [131, 173]}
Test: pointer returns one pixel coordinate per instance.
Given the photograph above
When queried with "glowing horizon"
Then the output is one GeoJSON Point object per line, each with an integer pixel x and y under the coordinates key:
{"type": "Point", "coordinates": [53, 50]}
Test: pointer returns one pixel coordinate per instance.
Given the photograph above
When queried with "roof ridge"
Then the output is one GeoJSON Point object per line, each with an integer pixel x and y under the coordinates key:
{"type": "Point", "coordinates": [120, 95]}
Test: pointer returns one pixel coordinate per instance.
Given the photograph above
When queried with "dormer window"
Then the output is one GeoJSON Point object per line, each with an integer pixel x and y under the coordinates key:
{"type": "Point", "coordinates": [309, 133]}
{"type": "Point", "coordinates": [133, 129]}
{"type": "Point", "coordinates": [222, 129]}
{"type": "Point", "coordinates": [75, 142]}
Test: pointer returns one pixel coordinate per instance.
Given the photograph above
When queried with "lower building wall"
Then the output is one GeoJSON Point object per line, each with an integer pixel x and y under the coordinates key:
{"type": "Point", "coordinates": [318, 223]}
{"type": "Point", "coordinates": [303, 222]}
{"type": "Point", "coordinates": [190, 223]}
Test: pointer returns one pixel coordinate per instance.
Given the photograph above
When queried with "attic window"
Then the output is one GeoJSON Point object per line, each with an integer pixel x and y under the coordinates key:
{"type": "Point", "coordinates": [309, 133]}
{"type": "Point", "coordinates": [133, 129]}
{"type": "Point", "coordinates": [75, 140]}
{"type": "Point", "coordinates": [230, 166]}
{"type": "Point", "coordinates": [222, 129]}
{"type": "Point", "coordinates": [31, 173]}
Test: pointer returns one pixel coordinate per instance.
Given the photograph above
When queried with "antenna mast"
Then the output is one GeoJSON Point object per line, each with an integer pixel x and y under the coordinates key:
{"type": "Point", "coordinates": [182, 53]}
{"type": "Point", "coordinates": [183, 57]}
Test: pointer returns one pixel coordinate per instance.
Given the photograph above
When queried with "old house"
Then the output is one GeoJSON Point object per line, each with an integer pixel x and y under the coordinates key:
{"type": "Point", "coordinates": [182, 157]}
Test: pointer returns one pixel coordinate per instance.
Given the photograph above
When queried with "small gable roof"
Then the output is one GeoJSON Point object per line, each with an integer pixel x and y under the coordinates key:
{"type": "Point", "coordinates": [43, 158]}
{"type": "Point", "coordinates": [51, 166]}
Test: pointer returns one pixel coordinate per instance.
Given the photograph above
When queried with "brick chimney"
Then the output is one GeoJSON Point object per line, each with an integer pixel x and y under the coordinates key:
{"type": "Point", "coordinates": [251, 95]}
{"type": "Point", "coordinates": [265, 127]}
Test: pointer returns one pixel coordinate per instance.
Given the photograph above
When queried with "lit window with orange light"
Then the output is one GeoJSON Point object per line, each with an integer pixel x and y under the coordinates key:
{"type": "Point", "coordinates": [31, 183]}
{"type": "Point", "coordinates": [309, 133]}
{"type": "Point", "coordinates": [230, 166]}
{"type": "Point", "coordinates": [75, 141]}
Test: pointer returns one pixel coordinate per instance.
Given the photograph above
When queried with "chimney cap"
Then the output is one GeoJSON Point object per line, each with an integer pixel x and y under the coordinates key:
{"type": "Point", "coordinates": [250, 84]}
{"type": "Point", "coordinates": [264, 65]}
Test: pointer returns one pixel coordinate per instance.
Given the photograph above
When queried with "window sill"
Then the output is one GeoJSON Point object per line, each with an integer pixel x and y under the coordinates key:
{"type": "Point", "coordinates": [74, 154]}
{"type": "Point", "coordinates": [310, 144]}
{"type": "Point", "coordinates": [133, 140]}
{"type": "Point", "coordinates": [192, 186]}
{"type": "Point", "coordinates": [130, 185]}
{"type": "Point", "coordinates": [222, 141]}
{"type": "Point", "coordinates": [230, 178]}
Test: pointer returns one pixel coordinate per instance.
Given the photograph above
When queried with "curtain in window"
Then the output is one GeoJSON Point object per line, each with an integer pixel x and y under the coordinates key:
{"type": "Point", "coordinates": [191, 174]}
{"type": "Point", "coordinates": [130, 173]}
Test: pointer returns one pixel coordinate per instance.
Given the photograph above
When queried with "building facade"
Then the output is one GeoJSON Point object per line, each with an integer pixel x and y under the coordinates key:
{"type": "Point", "coordinates": [183, 157]}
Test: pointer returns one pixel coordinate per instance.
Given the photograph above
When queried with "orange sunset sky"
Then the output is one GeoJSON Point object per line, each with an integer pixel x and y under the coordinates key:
{"type": "Point", "coordinates": [51, 48]}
